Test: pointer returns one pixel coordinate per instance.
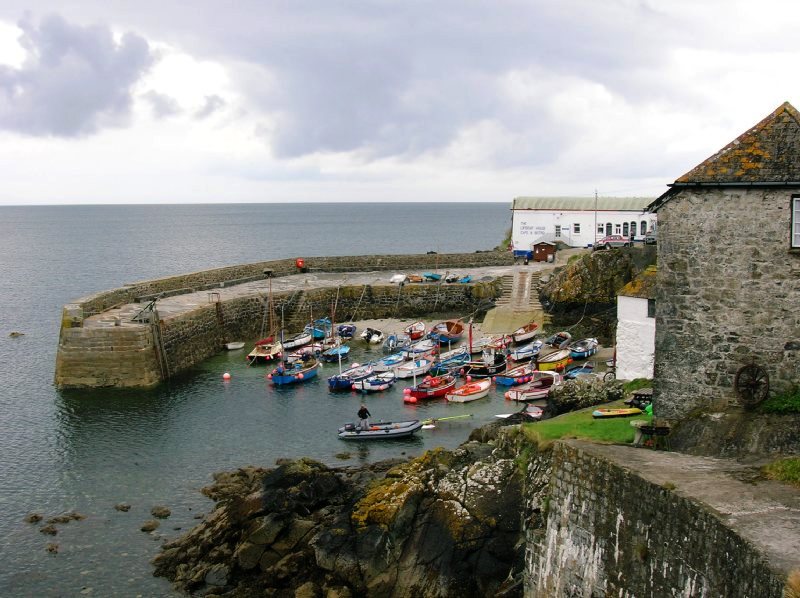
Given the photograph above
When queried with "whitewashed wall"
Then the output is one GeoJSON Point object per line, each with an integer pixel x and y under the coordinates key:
{"type": "Point", "coordinates": [636, 334]}
{"type": "Point", "coordinates": [530, 226]}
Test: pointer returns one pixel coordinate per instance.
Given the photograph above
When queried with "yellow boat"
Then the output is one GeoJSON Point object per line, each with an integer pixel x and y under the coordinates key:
{"type": "Point", "coordinates": [557, 360]}
{"type": "Point", "coordinates": [622, 412]}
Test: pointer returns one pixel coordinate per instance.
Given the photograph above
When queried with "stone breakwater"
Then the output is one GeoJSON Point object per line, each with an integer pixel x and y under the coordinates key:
{"type": "Point", "coordinates": [196, 313]}
{"type": "Point", "coordinates": [498, 516]}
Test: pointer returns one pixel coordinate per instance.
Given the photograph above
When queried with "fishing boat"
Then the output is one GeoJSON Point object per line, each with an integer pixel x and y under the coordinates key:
{"type": "Point", "coordinates": [319, 329]}
{"type": "Point", "coordinates": [266, 349]}
{"type": "Point", "coordinates": [431, 276]}
{"type": "Point", "coordinates": [344, 380]}
{"type": "Point", "coordinates": [373, 336]}
{"type": "Point", "coordinates": [491, 364]}
{"type": "Point", "coordinates": [449, 331]}
{"type": "Point", "coordinates": [525, 333]}
{"type": "Point", "coordinates": [395, 341]}
{"type": "Point", "coordinates": [577, 370]}
{"type": "Point", "coordinates": [557, 360]}
{"type": "Point", "coordinates": [297, 340]}
{"type": "Point", "coordinates": [346, 330]}
{"type": "Point", "coordinates": [380, 430]}
{"type": "Point", "coordinates": [450, 361]}
{"type": "Point", "coordinates": [609, 413]}
{"type": "Point", "coordinates": [559, 340]}
{"type": "Point", "coordinates": [294, 372]}
{"type": "Point", "coordinates": [431, 387]}
{"type": "Point", "coordinates": [415, 331]}
{"type": "Point", "coordinates": [336, 353]}
{"type": "Point", "coordinates": [583, 348]}
{"type": "Point", "coordinates": [423, 347]}
{"type": "Point", "coordinates": [526, 352]}
{"type": "Point", "coordinates": [235, 346]}
{"type": "Point", "coordinates": [530, 411]}
{"type": "Point", "coordinates": [539, 387]}
{"type": "Point", "coordinates": [388, 363]}
{"type": "Point", "coordinates": [375, 382]}
{"type": "Point", "coordinates": [516, 376]}
{"type": "Point", "coordinates": [471, 391]}
{"type": "Point", "coordinates": [417, 367]}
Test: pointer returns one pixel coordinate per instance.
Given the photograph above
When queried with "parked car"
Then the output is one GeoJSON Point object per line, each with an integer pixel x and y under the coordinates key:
{"type": "Point", "coordinates": [650, 238]}
{"type": "Point", "coordinates": [612, 241]}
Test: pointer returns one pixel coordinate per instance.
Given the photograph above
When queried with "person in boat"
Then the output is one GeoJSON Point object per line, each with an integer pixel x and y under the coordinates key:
{"type": "Point", "coordinates": [363, 417]}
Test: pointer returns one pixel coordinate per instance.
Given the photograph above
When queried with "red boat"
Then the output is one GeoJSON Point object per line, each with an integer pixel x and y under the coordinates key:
{"type": "Point", "coordinates": [416, 331]}
{"type": "Point", "coordinates": [430, 388]}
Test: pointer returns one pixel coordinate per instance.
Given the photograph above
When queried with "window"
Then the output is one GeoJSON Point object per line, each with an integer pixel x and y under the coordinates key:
{"type": "Point", "coordinates": [633, 228]}
{"type": "Point", "coordinates": [651, 308]}
{"type": "Point", "coordinates": [625, 229]}
{"type": "Point", "coordinates": [576, 228]}
{"type": "Point", "coordinates": [617, 229]}
{"type": "Point", "coordinates": [601, 228]}
{"type": "Point", "coordinates": [608, 228]}
{"type": "Point", "coordinates": [643, 227]}
{"type": "Point", "coordinates": [796, 222]}
{"type": "Point", "coordinates": [558, 231]}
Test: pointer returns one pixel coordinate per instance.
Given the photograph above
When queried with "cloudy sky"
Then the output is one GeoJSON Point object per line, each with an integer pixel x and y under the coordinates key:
{"type": "Point", "coordinates": [167, 101]}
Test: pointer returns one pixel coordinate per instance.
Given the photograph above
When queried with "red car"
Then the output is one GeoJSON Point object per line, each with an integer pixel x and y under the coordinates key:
{"type": "Point", "coordinates": [612, 241]}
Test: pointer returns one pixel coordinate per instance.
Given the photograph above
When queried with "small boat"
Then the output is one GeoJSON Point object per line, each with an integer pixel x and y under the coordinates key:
{"type": "Point", "coordinates": [431, 387]}
{"type": "Point", "coordinates": [373, 336]}
{"type": "Point", "coordinates": [320, 329]}
{"type": "Point", "coordinates": [557, 360]}
{"type": "Point", "coordinates": [415, 331]}
{"type": "Point", "coordinates": [431, 276]}
{"type": "Point", "coordinates": [388, 363]}
{"type": "Point", "coordinates": [234, 346]}
{"type": "Point", "coordinates": [415, 278]}
{"type": "Point", "coordinates": [491, 364]}
{"type": "Point", "coordinates": [450, 278]}
{"type": "Point", "coordinates": [346, 330]}
{"type": "Point", "coordinates": [266, 349]}
{"type": "Point", "coordinates": [465, 279]}
{"type": "Point", "coordinates": [526, 352]}
{"type": "Point", "coordinates": [559, 340]}
{"type": "Point", "coordinates": [498, 343]}
{"type": "Point", "coordinates": [335, 354]}
{"type": "Point", "coordinates": [471, 391]}
{"type": "Point", "coordinates": [583, 348]}
{"type": "Point", "coordinates": [298, 340]}
{"type": "Point", "coordinates": [419, 348]}
{"type": "Point", "coordinates": [344, 380]}
{"type": "Point", "coordinates": [480, 345]}
{"type": "Point", "coordinates": [609, 413]}
{"type": "Point", "coordinates": [537, 388]}
{"type": "Point", "coordinates": [448, 331]}
{"type": "Point", "coordinates": [395, 341]}
{"type": "Point", "coordinates": [514, 377]}
{"type": "Point", "coordinates": [525, 333]}
{"type": "Point", "coordinates": [398, 279]}
{"type": "Point", "coordinates": [380, 430]}
{"type": "Point", "coordinates": [410, 369]}
{"type": "Point", "coordinates": [375, 382]}
{"type": "Point", "coordinates": [531, 411]}
{"type": "Point", "coordinates": [450, 361]}
{"type": "Point", "coordinates": [577, 370]}
{"type": "Point", "coordinates": [312, 349]}
{"type": "Point", "coordinates": [294, 372]}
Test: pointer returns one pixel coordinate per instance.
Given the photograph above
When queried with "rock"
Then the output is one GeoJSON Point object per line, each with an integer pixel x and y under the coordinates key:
{"type": "Point", "coordinates": [248, 555]}
{"type": "Point", "coordinates": [52, 548]}
{"type": "Point", "coordinates": [307, 590]}
{"type": "Point", "coordinates": [266, 529]}
{"type": "Point", "coordinates": [123, 507]}
{"type": "Point", "coordinates": [217, 575]}
{"type": "Point", "coordinates": [339, 592]}
{"type": "Point", "coordinates": [150, 525]}
{"type": "Point", "coordinates": [59, 519]}
{"type": "Point", "coordinates": [160, 512]}
{"type": "Point", "coordinates": [16, 334]}
{"type": "Point", "coordinates": [33, 518]}
{"type": "Point", "coordinates": [50, 530]}
{"type": "Point", "coordinates": [298, 530]}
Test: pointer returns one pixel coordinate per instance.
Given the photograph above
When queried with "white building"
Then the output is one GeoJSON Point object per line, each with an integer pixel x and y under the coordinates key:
{"type": "Point", "coordinates": [578, 221]}
{"type": "Point", "coordinates": [636, 327]}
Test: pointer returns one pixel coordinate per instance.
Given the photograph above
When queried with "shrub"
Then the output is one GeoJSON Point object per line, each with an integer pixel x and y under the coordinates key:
{"type": "Point", "coordinates": [784, 470]}
{"type": "Point", "coordinates": [787, 402]}
{"type": "Point", "coordinates": [637, 383]}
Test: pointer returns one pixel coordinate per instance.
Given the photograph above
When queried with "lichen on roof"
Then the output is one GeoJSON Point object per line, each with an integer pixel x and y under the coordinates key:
{"type": "Point", "coordinates": [769, 152]}
{"type": "Point", "coordinates": [643, 286]}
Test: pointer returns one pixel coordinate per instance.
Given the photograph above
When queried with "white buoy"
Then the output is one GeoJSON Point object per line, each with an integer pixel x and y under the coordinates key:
{"type": "Point", "coordinates": [226, 376]}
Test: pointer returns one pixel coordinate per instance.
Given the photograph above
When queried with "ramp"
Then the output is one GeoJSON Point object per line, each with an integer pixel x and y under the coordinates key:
{"type": "Point", "coordinates": [518, 305]}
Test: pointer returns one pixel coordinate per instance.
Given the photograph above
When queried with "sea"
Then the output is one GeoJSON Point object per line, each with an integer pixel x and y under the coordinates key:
{"type": "Point", "coordinates": [85, 451]}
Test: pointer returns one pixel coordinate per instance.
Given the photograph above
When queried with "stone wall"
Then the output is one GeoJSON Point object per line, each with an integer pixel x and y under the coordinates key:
{"type": "Point", "coordinates": [728, 294]}
{"type": "Point", "coordinates": [608, 531]}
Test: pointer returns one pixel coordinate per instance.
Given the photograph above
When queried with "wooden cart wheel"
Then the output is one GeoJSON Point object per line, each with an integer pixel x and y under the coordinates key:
{"type": "Point", "coordinates": [751, 384]}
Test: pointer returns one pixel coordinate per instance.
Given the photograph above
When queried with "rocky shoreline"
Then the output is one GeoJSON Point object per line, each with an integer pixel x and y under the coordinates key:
{"type": "Point", "coordinates": [447, 523]}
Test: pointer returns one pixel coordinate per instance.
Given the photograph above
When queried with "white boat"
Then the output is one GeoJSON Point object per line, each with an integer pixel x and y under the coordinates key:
{"type": "Point", "coordinates": [530, 411]}
{"type": "Point", "coordinates": [267, 349]}
{"type": "Point", "coordinates": [298, 340]}
{"type": "Point", "coordinates": [234, 346]}
{"type": "Point", "coordinates": [471, 391]}
{"type": "Point", "coordinates": [525, 352]}
{"type": "Point", "coordinates": [538, 388]}
{"type": "Point", "coordinates": [372, 335]}
{"type": "Point", "coordinates": [413, 368]}
{"type": "Point", "coordinates": [419, 348]}
{"type": "Point", "coordinates": [389, 362]}
{"type": "Point", "coordinates": [525, 333]}
{"type": "Point", "coordinates": [375, 383]}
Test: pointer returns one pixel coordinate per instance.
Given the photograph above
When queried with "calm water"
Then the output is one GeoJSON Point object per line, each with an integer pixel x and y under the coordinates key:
{"type": "Point", "coordinates": [86, 451]}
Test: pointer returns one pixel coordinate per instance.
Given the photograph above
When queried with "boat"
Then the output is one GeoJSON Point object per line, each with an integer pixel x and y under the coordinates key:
{"type": "Point", "coordinates": [235, 346]}
{"type": "Point", "coordinates": [294, 372]}
{"type": "Point", "coordinates": [395, 341]}
{"type": "Point", "coordinates": [557, 360]}
{"type": "Point", "coordinates": [479, 346]}
{"type": "Point", "coordinates": [539, 387]}
{"type": "Point", "coordinates": [583, 348]}
{"type": "Point", "coordinates": [609, 413]}
{"type": "Point", "coordinates": [410, 369]}
{"type": "Point", "coordinates": [449, 331]}
{"type": "Point", "coordinates": [531, 411]}
{"type": "Point", "coordinates": [516, 376]}
{"type": "Point", "coordinates": [559, 340]}
{"type": "Point", "coordinates": [465, 279]}
{"type": "Point", "coordinates": [578, 370]}
{"type": "Point", "coordinates": [525, 333]}
{"type": "Point", "coordinates": [388, 363]}
{"type": "Point", "coordinates": [491, 364]}
{"type": "Point", "coordinates": [297, 340]}
{"type": "Point", "coordinates": [319, 329]}
{"type": "Point", "coordinates": [375, 382]}
{"type": "Point", "coordinates": [431, 387]}
{"type": "Point", "coordinates": [266, 349]}
{"type": "Point", "coordinates": [398, 279]}
{"type": "Point", "coordinates": [419, 348]}
{"type": "Point", "coordinates": [346, 330]}
{"type": "Point", "coordinates": [335, 353]}
{"type": "Point", "coordinates": [471, 391]}
{"type": "Point", "coordinates": [344, 380]}
{"type": "Point", "coordinates": [450, 361]}
{"type": "Point", "coordinates": [498, 343]}
{"type": "Point", "coordinates": [450, 278]}
{"type": "Point", "coordinates": [526, 352]}
{"type": "Point", "coordinates": [415, 331]}
{"type": "Point", "coordinates": [431, 276]}
{"type": "Point", "coordinates": [373, 336]}
{"type": "Point", "coordinates": [380, 430]}
{"type": "Point", "coordinates": [415, 278]}
{"type": "Point", "coordinates": [430, 423]}
{"type": "Point", "coordinates": [312, 349]}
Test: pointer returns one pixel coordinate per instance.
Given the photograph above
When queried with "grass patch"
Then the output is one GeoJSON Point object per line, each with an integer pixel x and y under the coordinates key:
{"type": "Point", "coordinates": [784, 470]}
{"type": "Point", "coordinates": [636, 384]}
{"type": "Point", "coordinates": [787, 402]}
{"type": "Point", "coordinates": [581, 424]}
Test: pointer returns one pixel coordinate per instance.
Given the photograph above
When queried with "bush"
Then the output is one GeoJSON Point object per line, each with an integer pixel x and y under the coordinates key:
{"type": "Point", "coordinates": [584, 392]}
{"type": "Point", "coordinates": [784, 470]}
{"type": "Point", "coordinates": [787, 402]}
{"type": "Point", "coordinates": [637, 384]}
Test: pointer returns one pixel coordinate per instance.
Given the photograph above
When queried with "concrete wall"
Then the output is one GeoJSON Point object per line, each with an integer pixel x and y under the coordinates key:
{"type": "Point", "coordinates": [728, 294]}
{"type": "Point", "coordinates": [635, 339]}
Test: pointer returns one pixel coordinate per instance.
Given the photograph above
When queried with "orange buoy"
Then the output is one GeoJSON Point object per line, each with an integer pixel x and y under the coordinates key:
{"type": "Point", "coordinates": [226, 376]}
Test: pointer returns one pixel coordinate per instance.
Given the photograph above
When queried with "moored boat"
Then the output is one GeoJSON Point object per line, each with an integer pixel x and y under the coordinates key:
{"type": "Point", "coordinates": [539, 386]}
{"type": "Point", "coordinates": [319, 329]}
{"type": "Point", "coordinates": [578, 370]}
{"type": "Point", "coordinates": [413, 368]}
{"type": "Point", "coordinates": [583, 348]}
{"type": "Point", "coordinates": [525, 333]}
{"type": "Point", "coordinates": [419, 348]}
{"type": "Point", "coordinates": [431, 276]}
{"type": "Point", "coordinates": [394, 342]}
{"type": "Point", "coordinates": [415, 331]}
{"type": "Point", "coordinates": [557, 360]}
{"type": "Point", "coordinates": [346, 330]}
{"type": "Point", "coordinates": [526, 352]}
{"type": "Point", "coordinates": [297, 340]}
{"type": "Point", "coordinates": [431, 387]}
{"type": "Point", "coordinates": [380, 430]}
{"type": "Point", "coordinates": [448, 331]}
{"type": "Point", "coordinates": [373, 336]}
{"type": "Point", "coordinates": [375, 382]}
{"type": "Point", "coordinates": [559, 340]}
{"type": "Point", "coordinates": [516, 376]}
{"type": "Point", "coordinates": [490, 365]}
{"type": "Point", "coordinates": [335, 354]}
{"type": "Point", "coordinates": [234, 346]}
{"type": "Point", "coordinates": [388, 363]}
{"type": "Point", "coordinates": [344, 380]}
{"type": "Point", "coordinates": [471, 391]}
{"type": "Point", "coordinates": [530, 411]}
{"type": "Point", "coordinates": [450, 361]}
{"type": "Point", "coordinates": [294, 372]}
{"type": "Point", "coordinates": [266, 349]}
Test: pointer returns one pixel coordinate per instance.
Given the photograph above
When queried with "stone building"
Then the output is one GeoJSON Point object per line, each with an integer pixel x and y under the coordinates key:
{"type": "Point", "coordinates": [636, 327]}
{"type": "Point", "coordinates": [728, 284]}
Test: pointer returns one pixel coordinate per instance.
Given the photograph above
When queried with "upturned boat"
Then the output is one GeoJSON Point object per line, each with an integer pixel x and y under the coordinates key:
{"type": "Point", "coordinates": [557, 360]}
{"type": "Point", "coordinates": [380, 430]}
{"type": "Point", "coordinates": [471, 391]}
{"type": "Point", "coordinates": [431, 387]}
{"type": "Point", "coordinates": [525, 333]}
{"type": "Point", "coordinates": [539, 387]}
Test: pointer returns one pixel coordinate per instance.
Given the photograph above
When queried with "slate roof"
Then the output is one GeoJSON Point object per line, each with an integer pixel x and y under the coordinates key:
{"type": "Point", "coordinates": [622, 204]}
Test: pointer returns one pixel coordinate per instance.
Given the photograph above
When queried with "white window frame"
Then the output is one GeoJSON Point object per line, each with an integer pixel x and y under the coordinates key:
{"type": "Point", "coordinates": [576, 228]}
{"type": "Point", "coordinates": [558, 231]}
{"type": "Point", "coordinates": [795, 232]}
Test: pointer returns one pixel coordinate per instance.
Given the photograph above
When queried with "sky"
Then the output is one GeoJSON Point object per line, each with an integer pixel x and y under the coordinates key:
{"type": "Point", "coordinates": [115, 101]}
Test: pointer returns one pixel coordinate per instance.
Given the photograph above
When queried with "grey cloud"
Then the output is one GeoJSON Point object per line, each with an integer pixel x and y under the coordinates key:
{"type": "Point", "coordinates": [162, 105]}
{"type": "Point", "coordinates": [211, 105]}
{"type": "Point", "coordinates": [75, 80]}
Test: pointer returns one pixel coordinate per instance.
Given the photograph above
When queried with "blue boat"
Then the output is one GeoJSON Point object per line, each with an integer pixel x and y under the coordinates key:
{"type": "Point", "coordinates": [576, 370]}
{"type": "Point", "coordinates": [335, 354]}
{"type": "Point", "coordinates": [519, 375]}
{"type": "Point", "coordinates": [448, 331]}
{"type": "Point", "coordinates": [583, 348]}
{"type": "Point", "coordinates": [450, 362]}
{"type": "Point", "coordinates": [389, 362]}
{"type": "Point", "coordinates": [320, 329]}
{"type": "Point", "coordinates": [465, 279]}
{"type": "Point", "coordinates": [396, 341]}
{"type": "Point", "coordinates": [294, 372]}
{"type": "Point", "coordinates": [432, 276]}
{"type": "Point", "coordinates": [344, 380]}
{"type": "Point", "coordinates": [346, 330]}
{"type": "Point", "coordinates": [375, 382]}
